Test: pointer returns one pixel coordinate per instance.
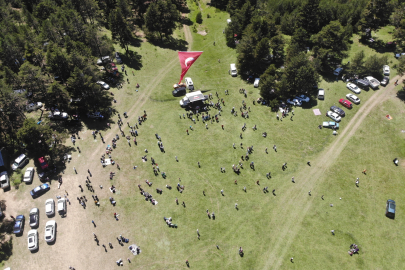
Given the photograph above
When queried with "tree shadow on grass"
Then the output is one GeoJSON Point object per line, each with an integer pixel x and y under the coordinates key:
{"type": "Point", "coordinates": [132, 59]}
{"type": "Point", "coordinates": [186, 21]}
{"type": "Point", "coordinates": [401, 95]}
{"type": "Point", "coordinates": [170, 43]}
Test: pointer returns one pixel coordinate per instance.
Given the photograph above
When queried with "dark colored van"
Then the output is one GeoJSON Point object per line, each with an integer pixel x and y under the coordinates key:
{"type": "Point", "coordinates": [362, 83]}
{"type": "Point", "coordinates": [390, 209]}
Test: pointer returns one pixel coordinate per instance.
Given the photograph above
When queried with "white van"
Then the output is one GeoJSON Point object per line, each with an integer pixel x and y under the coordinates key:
{"type": "Point", "coordinates": [19, 162]}
{"type": "Point", "coordinates": [321, 94]}
{"type": "Point", "coordinates": [189, 83]}
{"type": "Point", "coordinates": [233, 71]}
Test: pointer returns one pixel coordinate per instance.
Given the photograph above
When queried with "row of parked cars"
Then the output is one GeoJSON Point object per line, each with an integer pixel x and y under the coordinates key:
{"type": "Point", "coordinates": [50, 226]}
{"type": "Point", "coordinates": [336, 113]}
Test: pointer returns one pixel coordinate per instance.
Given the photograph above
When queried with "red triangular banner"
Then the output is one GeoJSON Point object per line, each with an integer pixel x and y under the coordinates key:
{"type": "Point", "coordinates": [186, 60]}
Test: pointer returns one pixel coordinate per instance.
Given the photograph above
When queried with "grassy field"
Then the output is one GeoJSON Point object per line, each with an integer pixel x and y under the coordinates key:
{"type": "Point", "coordinates": [263, 220]}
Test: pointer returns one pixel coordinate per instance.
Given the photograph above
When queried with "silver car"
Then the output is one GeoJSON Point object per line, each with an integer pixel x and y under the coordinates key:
{"type": "Point", "coordinates": [334, 116]}
{"type": "Point", "coordinates": [353, 98]}
{"type": "Point", "coordinates": [34, 217]}
{"type": "Point", "coordinates": [354, 88]}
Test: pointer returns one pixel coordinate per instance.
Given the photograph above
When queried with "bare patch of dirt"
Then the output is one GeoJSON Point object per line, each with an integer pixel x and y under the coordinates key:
{"type": "Point", "coordinates": [203, 33]}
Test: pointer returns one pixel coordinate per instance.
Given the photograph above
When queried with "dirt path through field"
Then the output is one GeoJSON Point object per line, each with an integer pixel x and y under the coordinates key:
{"type": "Point", "coordinates": [311, 177]}
{"type": "Point", "coordinates": [188, 36]}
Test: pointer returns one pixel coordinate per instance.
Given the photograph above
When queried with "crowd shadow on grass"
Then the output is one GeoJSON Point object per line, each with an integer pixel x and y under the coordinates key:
{"type": "Point", "coordinates": [169, 43]}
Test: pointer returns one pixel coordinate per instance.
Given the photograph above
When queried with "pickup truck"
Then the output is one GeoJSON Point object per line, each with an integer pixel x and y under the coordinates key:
{"type": "Point", "coordinates": [330, 124]}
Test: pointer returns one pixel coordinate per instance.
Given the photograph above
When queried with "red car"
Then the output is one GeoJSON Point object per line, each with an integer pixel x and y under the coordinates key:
{"type": "Point", "coordinates": [346, 103]}
{"type": "Point", "coordinates": [43, 162]}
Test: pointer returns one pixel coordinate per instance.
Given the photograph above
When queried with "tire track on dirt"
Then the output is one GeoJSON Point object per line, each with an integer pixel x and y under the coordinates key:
{"type": "Point", "coordinates": [312, 176]}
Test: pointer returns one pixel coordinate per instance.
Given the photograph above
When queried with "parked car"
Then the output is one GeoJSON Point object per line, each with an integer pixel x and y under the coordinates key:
{"type": "Point", "coordinates": [28, 175]}
{"type": "Point", "coordinates": [34, 106]}
{"type": "Point", "coordinates": [338, 71]}
{"type": "Point", "coordinates": [321, 94]}
{"type": "Point", "coordinates": [118, 58]}
{"type": "Point", "coordinates": [303, 98]}
{"type": "Point", "coordinates": [4, 180]}
{"type": "Point", "coordinates": [103, 84]}
{"type": "Point", "coordinates": [386, 70]}
{"type": "Point", "coordinates": [385, 81]}
{"type": "Point", "coordinates": [95, 115]}
{"type": "Point", "coordinates": [256, 82]}
{"type": "Point", "coordinates": [398, 55]}
{"type": "Point", "coordinates": [34, 217]}
{"type": "Point", "coordinates": [346, 103]}
{"type": "Point", "coordinates": [330, 124]}
{"type": "Point", "coordinates": [353, 98]}
{"type": "Point", "coordinates": [334, 116]}
{"type": "Point", "coordinates": [19, 162]}
{"type": "Point", "coordinates": [49, 207]}
{"type": "Point", "coordinates": [374, 83]}
{"type": "Point", "coordinates": [43, 162]}
{"type": "Point", "coordinates": [19, 224]}
{"type": "Point", "coordinates": [103, 60]}
{"type": "Point", "coordinates": [32, 238]}
{"type": "Point", "coordinates": [39, 190]}
{"type": "Point", "coordinates": [294, 101]}
{"type": "Point", "coordinates": [58, 116]}
{"type": "Point", "coordinates": [390, 209]}
{"type": "Point", "coordinates": [179, 92]}
{"type": "Point", "coordinates": [62, 206]}
{"type": "Point", "coordinates": [362, 83]}
{"type": "Point", "coordinates": [189, 83]}
{"type": "Point", "coordinates": [352, 87]}
{"type": "Point", "coordinates": [50, 230]}
{"type": "Point", "coordinates": [338, 110]}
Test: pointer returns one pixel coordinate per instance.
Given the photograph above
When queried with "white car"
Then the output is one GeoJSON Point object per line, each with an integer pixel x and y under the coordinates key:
{"type": "Point", "coordinates": [353, 98]}
{"type": "Point", "coordinates": [374, 83]}
{"type": "Point", "coordinates": [354, 88]}
{"type": "Point", "coordinates": [62, 206]}
{"type": "Point", "coordinates": [294, 101]}
{"type": "Point", "coordinates": [58, 116]}
{"type": "Point", "coordinates": [303, 98]}
{"type": "Point", "coordinates": [32, 239]}
{"type": "Point", "coordinates": [103, 84]}
{"type": "Point", "coordinates": [386, 70]}
{"type": "Point", "coordinates": [334, 116]}
{"type": "Point", "coordinates": [4, 180]}
{"type": "Point", "coordinates": [50, 230]}
{"type": "Point", "coordinates": [50, 207]}
{"type": "Point", "coordinates": [256, 83]}
{"type": "Point", "coordinates": [28, 175]}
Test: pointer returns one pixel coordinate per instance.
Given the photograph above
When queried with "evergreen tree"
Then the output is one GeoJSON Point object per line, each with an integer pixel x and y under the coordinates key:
{"type": "Point", "coordinates": [331, 45]}
{"type": "Point", "coordinates": [161, 17]}
{"type": "Point", "coordinates": [120, 29]}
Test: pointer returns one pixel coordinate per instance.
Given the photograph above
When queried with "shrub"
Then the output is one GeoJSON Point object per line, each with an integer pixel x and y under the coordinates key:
{"type": "Point", "coordinates": [16, 178]}
{"type": "Point", "coordinates": [198, 18]}
{"type": "Point", "coordinates": [208, 16]}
